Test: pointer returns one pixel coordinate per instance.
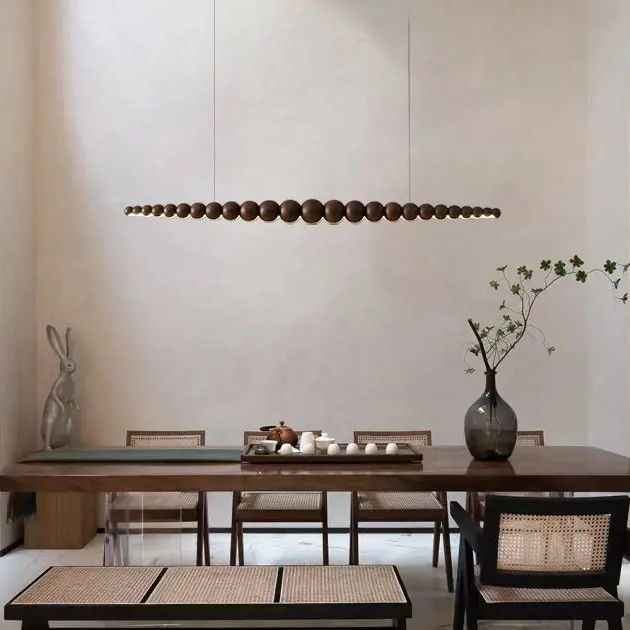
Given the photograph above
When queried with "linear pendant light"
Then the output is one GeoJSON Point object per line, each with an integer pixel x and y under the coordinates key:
{"type": "Point", "coordinates": [312, 210]}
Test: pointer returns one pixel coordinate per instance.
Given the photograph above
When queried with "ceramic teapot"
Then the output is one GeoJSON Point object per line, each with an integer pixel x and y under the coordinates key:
{"type": "Point", "coordinates": [282, 434]}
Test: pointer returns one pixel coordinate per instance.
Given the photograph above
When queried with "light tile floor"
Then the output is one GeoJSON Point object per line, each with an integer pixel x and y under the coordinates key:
{"type": "Point", "coordinates": [432, 603]}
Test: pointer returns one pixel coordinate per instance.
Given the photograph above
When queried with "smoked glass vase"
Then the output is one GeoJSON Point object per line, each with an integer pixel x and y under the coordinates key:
{"type": "Point", "coordinates": [490, 425]}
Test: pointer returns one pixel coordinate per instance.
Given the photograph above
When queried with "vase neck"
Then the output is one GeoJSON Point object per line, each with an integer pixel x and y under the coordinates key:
{"type": "Point", "coordinates": [491, 381]}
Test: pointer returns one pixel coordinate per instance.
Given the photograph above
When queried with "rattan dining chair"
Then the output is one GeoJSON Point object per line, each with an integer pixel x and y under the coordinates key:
{"type": "Point", "coordinates": [476, 501]}
{"type": "Point", "coordinates": [163, 507]}
{"type": "Point", "coordinates": [541, 559]}
{"type": "Point", "coordinates": [397, 507]}
{"type": "Point", "coordinates": [275, 507]}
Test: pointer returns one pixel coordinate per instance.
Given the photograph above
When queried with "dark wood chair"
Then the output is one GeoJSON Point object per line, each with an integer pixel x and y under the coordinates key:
{"type": "Point", "coordinates": [275, 507]}
{"type": "Point", "coordinates": [162, 507]}
{"type": "Point", "coordinates": [541, 559]}
{"type": "Point", "coordinates": [476, 501]}
{"type": "Point", "coordinates": [401, 507]}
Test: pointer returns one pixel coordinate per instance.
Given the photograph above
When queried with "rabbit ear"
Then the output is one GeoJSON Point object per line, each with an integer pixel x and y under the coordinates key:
{"type": "Point", "coordinates": [68, 333]}
{"type": "Point", "coordinates": [55, 341]}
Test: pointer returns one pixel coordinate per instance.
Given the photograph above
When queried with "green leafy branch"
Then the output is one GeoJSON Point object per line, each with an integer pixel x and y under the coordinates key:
{"type": "Point", "coordinates": [494, 343]}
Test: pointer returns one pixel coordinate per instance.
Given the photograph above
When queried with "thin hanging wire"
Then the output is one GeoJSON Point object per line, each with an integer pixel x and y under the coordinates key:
{"type": "Point", "coordinates": [409, 106]}
{"type": "Point", "coordinates": [214, 100]}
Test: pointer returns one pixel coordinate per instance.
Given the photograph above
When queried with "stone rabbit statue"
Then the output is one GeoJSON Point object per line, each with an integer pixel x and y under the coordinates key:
{"type": "Point", "coordinates": [60, 405]}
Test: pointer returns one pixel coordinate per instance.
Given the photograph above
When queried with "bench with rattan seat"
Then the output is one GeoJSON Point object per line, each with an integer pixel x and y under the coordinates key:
{"type": "Point", "coordinates": [211, 593]}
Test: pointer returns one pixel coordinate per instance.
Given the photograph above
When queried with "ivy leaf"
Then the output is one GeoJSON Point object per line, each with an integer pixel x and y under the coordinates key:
{"type": "Point", "coordinates": [515, 288]}
{"type": "Point", "coordinates": [474, 350]}
{"type": "Point", "coordinates": [550, 349]}
{"type": "Point", "coordinates": [470, 370]}
{"type": "Point", "coordinates": [536, 291]}
{"type": "Point", "coordinates": [502, 269]}
{"type": "Point", "coordinates": [507, 318]}
{"type": "Point", "coordinates": [616, 283]}
{"type": "Point", "coordinates": [576, 261]}
{"type": "Point", "coordinates": [500, 333]}
{"type": "Point", "coordinates": [511, 328]}
{"type": "Point", "coordinates": [610, 266]}
{"type": "Point", "coordinates": [624, 298]}
{"type": "Point", "coordinates": [625, 267]}
{"type": "Point", "coordinates": [560, 268]}
{"type": "Point", "coordinates": [494, 284]}
{"type": "Point", "coordinates": [581, 276]}
{"type": "Point", "coordinates": [525, 272]}
{"type": "Point", "coordinates": [545, 265]}
{"type": "Point", "coordinates": [502, 305]}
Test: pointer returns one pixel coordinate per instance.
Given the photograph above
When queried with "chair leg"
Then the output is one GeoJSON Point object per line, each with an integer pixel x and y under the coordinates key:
{"type": "Point", "coordinates": [354, 530]}
{"type": "Point", "coordinates": [436, 542]}
{"type": "Point", "coordinates": [233, 528]}
{"type": "Point", "coordinates": [615, 624]}
{"type": "Point", "coordinates": [325, 552]}
{"type": "Point", "coordinates": [200, 526]}
{"type": "Point", "coordinates": [447, 553]}
{"type": "Point", "coordinates": [206, 532]}
{"type": "Point", "coordinates": [459, 610]}
{"type": "Point", "coordinates": [588, 624]}
{"type": "Point", "coordinates": [241, 550]}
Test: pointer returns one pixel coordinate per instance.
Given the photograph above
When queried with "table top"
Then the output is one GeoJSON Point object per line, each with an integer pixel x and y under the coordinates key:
{"type": "Point", "coordinates": [531, 468]}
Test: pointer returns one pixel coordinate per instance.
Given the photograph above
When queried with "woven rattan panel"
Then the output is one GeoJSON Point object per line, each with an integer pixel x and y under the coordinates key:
{"type": "Point", "coordinates": [156, 501]}
{"type": "Point", "coordinates": [508, 595]}
{"type": "Point", "coordinates": [399, 438]}
{"type": "Point", "coordinates": [90, 585]}
{"type": "Point", "coordinates": [216, 585]}
{"type": "Point", "coordinates": [398, 501]}
{"type": "Point", "coordinates": [552, 543]}
{"type": "Point", "coordinates": [164, 440]}
{"type": "Point", "coordinates": [528, 440]}
{"type": "Point", "coordinates": [281, 501]}
{"type": "Point", "coordinates": [340, 585]}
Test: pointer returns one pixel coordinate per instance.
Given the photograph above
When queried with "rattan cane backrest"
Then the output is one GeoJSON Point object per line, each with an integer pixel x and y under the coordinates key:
{"type": "Point", "coordinates": [416, 438]}
{"type": "Point", "coordinates": [535, 542]}
{"type": "Point", "coordinates": [165, 439]}
{"type": "Point", "coordinates": [530, 438]}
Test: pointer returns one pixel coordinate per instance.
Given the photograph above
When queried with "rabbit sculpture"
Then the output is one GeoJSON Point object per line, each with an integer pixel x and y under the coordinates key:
{"type": "Point", "coordinates": [60, 405]}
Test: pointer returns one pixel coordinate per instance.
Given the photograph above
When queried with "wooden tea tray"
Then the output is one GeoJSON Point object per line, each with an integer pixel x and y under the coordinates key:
{"type": "Point", "coordinates": [406, 454]}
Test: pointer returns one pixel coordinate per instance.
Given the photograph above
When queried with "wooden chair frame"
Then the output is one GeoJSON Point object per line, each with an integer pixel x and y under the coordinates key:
{"type": "Point", "coordinates": [198, 515]}
{"type": "Point", "coordinates": [474, 502]}
{"type": "Point", "coordinates": [439, 518]}
{"type": "Point", "coordinates": [482, 542]}
{"type": "Point", "coordinates": [240, 517]}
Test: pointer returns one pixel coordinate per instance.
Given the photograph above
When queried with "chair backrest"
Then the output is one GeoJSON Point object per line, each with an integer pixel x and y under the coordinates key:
{"type": "Point", "coordinates": [165, 439]}
{"type": "Point", "coordinates": [416, 438]}
{"type": "Point", "coordinates": [530, 438]}
{"type": "Point", "coordinates": [253, 437]}
{"type": "Point", "coordinates": [534, 542]}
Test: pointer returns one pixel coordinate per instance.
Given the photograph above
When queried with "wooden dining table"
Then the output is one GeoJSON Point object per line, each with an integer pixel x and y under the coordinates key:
{"type": "Point", "coordinates": [443, 468]}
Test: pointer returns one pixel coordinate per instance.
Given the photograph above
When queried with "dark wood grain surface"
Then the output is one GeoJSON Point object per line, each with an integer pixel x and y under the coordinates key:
{"type": "Point", "coordinates": [577, 468]}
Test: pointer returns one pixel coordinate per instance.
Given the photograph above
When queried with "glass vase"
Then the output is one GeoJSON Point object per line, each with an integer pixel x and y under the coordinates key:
{"type": "Point", "coordinates": [490, 425]}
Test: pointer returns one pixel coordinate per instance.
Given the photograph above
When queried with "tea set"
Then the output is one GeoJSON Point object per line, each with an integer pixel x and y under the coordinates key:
{"type": "Point", "coordinates": [285, 441]}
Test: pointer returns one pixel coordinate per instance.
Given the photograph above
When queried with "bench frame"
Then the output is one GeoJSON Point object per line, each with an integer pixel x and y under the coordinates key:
{"type": "Point", "coordinates": [38, 616]}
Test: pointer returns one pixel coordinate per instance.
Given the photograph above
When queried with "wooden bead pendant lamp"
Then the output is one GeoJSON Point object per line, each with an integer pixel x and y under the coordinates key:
{"type": "Point", "coordinates": [312, 210]}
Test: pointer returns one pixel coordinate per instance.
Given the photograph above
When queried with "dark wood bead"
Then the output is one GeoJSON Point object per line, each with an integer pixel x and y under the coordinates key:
{"type": "Point", "coordinates": [441, 211]}
{"type": "Point", "coordinates": [169, 210]}
{"type": "Point", "coordinates": [249, 210]}
{"type": "Point", "coordinates": [147, 210]}
{"type": "Point", "coordinates": [183, 210]}
{"type": "Point", "coordinates": [137, 209]}
{"type": "Point", "coordinates": [477, 211]}
{"type": "Point", "coordinates": [129, 210]}
{"type": "Point", "coordinates": [197, 210]}
{"type": "Point", "coordinates": [158, 210]}
{"type": "Point", "coordinates": [374, 211]}
{"type": "Point", "coordinates": [214, 210]}
{"type": "Point", "coordinates": [454, 212]}
{"type": "Point", "coordinates": [393, 211]}
{"type": "Point", "coordinates": [334, 211]}
{"type": "Point", "coordinates": [312, 211]}
{"type": "Point", "coordinates": [269, 210]}
{"type": "Point", "coordinates": [290, 210]}
{"type": "Point", "coordinates": [487, 212]}
{"type": "Point", "coordinates": [355, 211]}
{"type": "Point", "coordinates": [496, 212]}
{"type": "Point", "coordinates": [426, 211]}
{"type": "Point", "coordinates": [410, 211]}
{"type": "Point", "coordinates": [231, 210]}
{"type": "Point", "coordinates": [466, 212]}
